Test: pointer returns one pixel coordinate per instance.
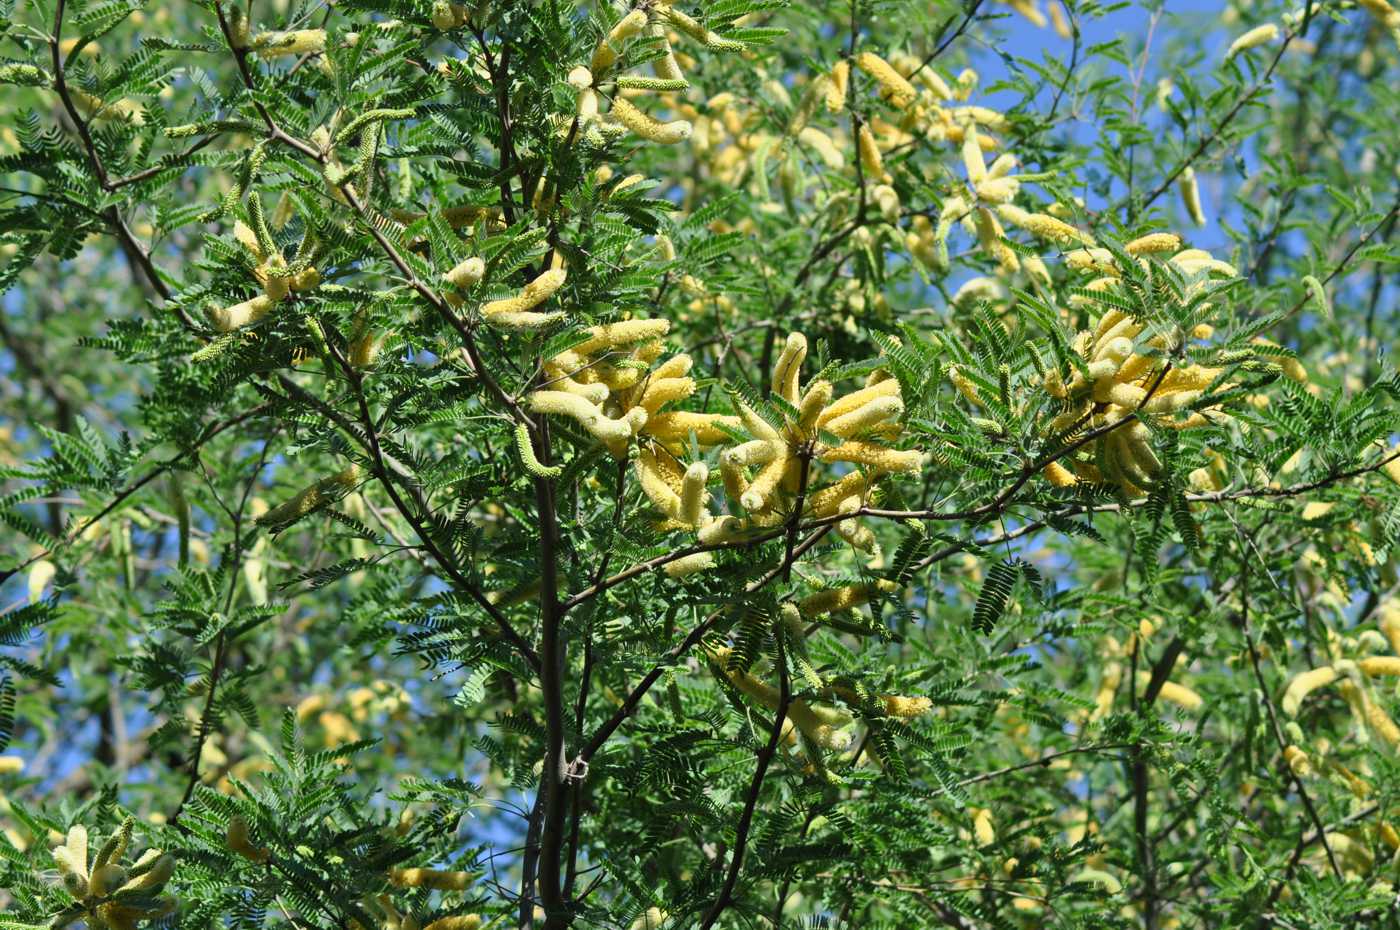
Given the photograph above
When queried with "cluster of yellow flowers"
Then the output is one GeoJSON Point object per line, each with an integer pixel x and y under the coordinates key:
{"type": "Point", "coordinates": [658, 22]}
{"type": "Point", "coordinates": [109, 894]}
{"type": "Point", "coordinates": [1353, 664]}
{"type": "Point", "coordinates": [607, 385]}
{"type": "Point", "coordinates": [1119, 383]}
{"type": "Point", "coordinates": [271, 271]}
{"type": "Point", "coordinates": [1352, 677]}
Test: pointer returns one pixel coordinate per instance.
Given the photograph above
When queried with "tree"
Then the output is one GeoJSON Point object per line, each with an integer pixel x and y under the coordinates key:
{"type": "Point", "coordinates": [732, 464]}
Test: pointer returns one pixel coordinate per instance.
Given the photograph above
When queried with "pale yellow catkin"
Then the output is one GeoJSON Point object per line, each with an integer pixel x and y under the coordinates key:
{"type": "Point", "coordinates": [1304, 684]}
{"type": "Point", "coordinates": [1191, 195]}
{"type": "Point", "coordinates": [296, 42]}
{"type": "Point", "coordinates": [650, 129]}
{"type": "Point", "coordinates": [690, 564]}
{"type": "Point", "coordinates": [838, 86]}
{"type": "Point", "coordinates": [1259, 35]}
{"type": "Point", "coordinates": [866, 417]}
{"type": "Point", "coordinates": [1153, 243]}
{"type": "Point", "coordinates": [312, 497]}
{"type": "Point", "coordinates": [693, 493]}
{"type": "Point", "coordinates": [438, 879]}
{"type": "Point", "coordinates": [893, 87]}
{"type": "Point", "coordinates": [877, 458]}
{"type": "Point", "coordinates": [228, 319]}
{"type": "Point", "coordinates": [626, 332]}
{"type": "Point", "coordinates": [535, 293]}
{"type": "Point", "coordinates": [870, 159]}
{"type": "Point", "coordinates": [467, 272]}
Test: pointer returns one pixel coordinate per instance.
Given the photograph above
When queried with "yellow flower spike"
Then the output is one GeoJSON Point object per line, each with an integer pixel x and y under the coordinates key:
{"type": "Point", "coordinates": [661, 391]}
{"type": "Point", "coordinates": [964, 385]}
{"type": "Point", "coordinates": [466, 273]}
{"type": "Point", "coordinates": [1042, 225]}
{"type": "Point", "coordinates": [1194, 260]}
{"type": "Point", "coordinates": [893, 87]}
{"type": "Point", "coordinates": [989, 233]}
{"type": "Point", "coordinates": [1297, 761]}
{"type": "Point", "coordinates": [676, 366]}
{"type": "Point", "coordinates": [858, 399]}
{"type": "Point", "coordinates": [594, 393]}
{"type": "Point", "coordinates": [814, 402]}
{"type": "Point", "coordinates": [443, 16]}
{"type": "Point", "coordinates": [677, 425]}
{"type": "Point", "coordinates": [305, 280]}
{"type": "Point", "coordinates": [760, 491]}
{"type": "Point", "coordinates": [821, 143]}
{"type": "Point", "coordinates": [1003, 166]}
{"type": "Point", "coordinates": [825, 502]}
{"type": "Point", "coordinates": [589, 416]}
{"type": "Point", "coordinates": [756, 425]}
{"type": "Point", "coordinates": [457, 922]}
{"type": "Point", "coordinates": [720, 530]}
{"type": "Point", "coordinates": [296, 42]}
{"type": "Point", "coordinates": [1179, 695]}
{"type": "Point", "coordinates": [1062, 26]}
{"type": "Point", "coordinates": [313, 496]}
{"type": "Point", "coordinates": [982, 826]}
{"type": "Point", "coordinates": [627, 332]}
{"type": "Point", "coordinates": [667, 66]}
{"type": "Point", "coordinates": [1259, 35]}
{"type": "Point", "coordinates": [972, 158]}
{"type": "Point", "coordinates": [535, 293]}
{"type": "Point", "coordinates": [1100, 260]}
{"type": "Point", "coordinates": [1377, 666]}
{"type": "Point", "coordinates": [1060, 476]}
{"type": "Point", "coordinates": [870, 159]}
{"type": "Point", "coordinates": [238, 839]}
{"type": "Point", "coordinates": [1153, 243]}
{"type": "Point", "coordinates": [690, 565]}
{"type": "Point", "coordinates": [1191, 195]}
{"type": "Point", "coordinates": [858, 535]}
{"type": "Point", "coordinates": [245, 237]}
{"type": "Point", "coordinates": [788, 369]}
{"type": "Point", "coordinates": [877, 458]}
{"type": "Point", "coordinates": [228, 319]}
{"type": "Point", "coordinates": [1304, 684]}
{"type": "Point", "coordinates": [849, 597]}
{"type": "Point", "coordinates": [437, 879]}
{"type": "Point", "coordinates": [866, 417]}
{"type": "Point", "coordinates": [981, 116]}
{"type": "Point", "coordinates": [900, 706]}
{"type": "Point", "coordinates": [647, 128]}
{"type": "Point", "coordinates": [364, 351]}
{"type": "Point", "coordinates": [106, 880]}
{"type": "Point", "coordinates": [699, 33]}
{"type": "Point", "coordinates": [1375, 716]}
{"type": "Point", "coordinates": [693, 495]}
{"type": "Point", "coordinates": [629, 26]}
{"type": "Point", "coordinates": [837, 87]}
{"type": "Point", "coordinates": [886, 199]}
